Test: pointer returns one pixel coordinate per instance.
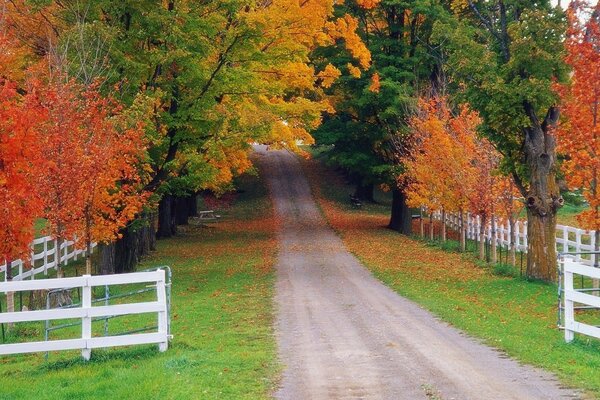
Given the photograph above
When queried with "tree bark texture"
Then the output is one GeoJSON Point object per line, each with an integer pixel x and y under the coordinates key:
{"type": "Point", "coordinates": [167, 226]}
{"type": "Point", "coordinates": [401, 217]}
{"type": "Point", "coordinates": [543, 197]}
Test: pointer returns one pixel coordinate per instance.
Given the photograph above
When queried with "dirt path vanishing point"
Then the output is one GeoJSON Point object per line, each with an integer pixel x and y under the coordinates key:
{"type": "Point", "coordinates": [344, 335]}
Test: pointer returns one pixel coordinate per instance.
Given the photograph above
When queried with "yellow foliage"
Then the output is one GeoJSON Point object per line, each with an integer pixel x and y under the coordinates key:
{"type": "Point", "coordinates": [368, 4]}
{"type": "Point", "coordinates": [354, 71]}
{"type": "Point", "coordinates": [345, 28]}
{"type": "Point", "coordinates": [329, 75]}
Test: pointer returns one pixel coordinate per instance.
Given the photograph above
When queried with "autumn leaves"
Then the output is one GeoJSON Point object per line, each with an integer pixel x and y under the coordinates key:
{"type": "Point", "coordinates": [71, 156]}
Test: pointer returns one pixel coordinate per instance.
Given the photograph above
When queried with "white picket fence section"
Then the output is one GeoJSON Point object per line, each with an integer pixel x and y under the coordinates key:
{"type": "Point", "coordinates": [43, 258]}
{"type": "Point", "coordinates": [581, 298]}
{"type": "Point", "coordinates": [86, 312]}
{"type": "Point", "coordinates": [568, 239]}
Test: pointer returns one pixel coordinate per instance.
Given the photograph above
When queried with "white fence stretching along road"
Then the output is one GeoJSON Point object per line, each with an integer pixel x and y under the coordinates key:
{"type": "Point", "coordinates": [44, 257]}
{"type": "Point", "coordinates": [87, 312]}
{"type": "Point", "coordinates": [577, 258]}
{"type": "Point", "coordinates": [568, 239]}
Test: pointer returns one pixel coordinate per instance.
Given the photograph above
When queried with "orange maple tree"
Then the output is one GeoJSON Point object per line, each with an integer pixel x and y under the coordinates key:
{"type": "Point", "coordinates": [93, 165]}
{"type": "Point", "coordinates": [19, 154]}
{"type": "Point", "coordinates": [578, 135]}
{"type": "Point", "coordinates": [439, 168]}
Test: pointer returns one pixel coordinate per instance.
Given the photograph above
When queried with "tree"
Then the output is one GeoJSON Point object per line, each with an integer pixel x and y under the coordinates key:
{"type": "Point", "coordinates": [92, 165]}
{"type": "Point", "coordinates": [373, 105]}
{"type": "Point", "coordinates": [579, 133]}
{"type": "Point", "coordinates": [221, 76]}
{"type": "Point", "coordinates": [510, 205]}
{"type": "Point", "coordinates": [439, 166]}
{"type": "Point", "coordinates": [483, 196]}
{"type": "Point", "coordinates": [19, 154]}
{"type": "Point", "coordinates": [502, 58]}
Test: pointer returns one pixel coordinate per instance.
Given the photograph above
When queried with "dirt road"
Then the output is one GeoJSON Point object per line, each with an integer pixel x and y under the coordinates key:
{"type": "Point", "coordinates": [344, 335]}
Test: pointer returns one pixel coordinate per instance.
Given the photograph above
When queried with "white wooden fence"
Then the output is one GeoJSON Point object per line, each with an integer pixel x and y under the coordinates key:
{"type": "Point", "coordinates": [578, 298]}
{"type": "Point", "coordinates": [568, 239]}
{"type": "Point", "coordinates": [87, 312]}
{"type": "Point", "coordinates": [43, 258]}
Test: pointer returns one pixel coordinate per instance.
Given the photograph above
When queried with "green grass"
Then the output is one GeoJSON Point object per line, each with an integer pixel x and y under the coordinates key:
{"type": "Point", "coordinates": [493, 304]}
{"type": "Point", "coordinates": [567, 215]}
{"type": "Point", "coordinates": [223, 346]}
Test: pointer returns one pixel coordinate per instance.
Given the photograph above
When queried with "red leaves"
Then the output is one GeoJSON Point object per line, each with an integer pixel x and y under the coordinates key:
{"type": "Point", "coordinates": [579, 136]}
{"type": "Point", "coordinates": [93, 176]}
{"type": "Point", "coordinates": [70, 155]}
{"type": "Point", "coordinates": [19, 157]}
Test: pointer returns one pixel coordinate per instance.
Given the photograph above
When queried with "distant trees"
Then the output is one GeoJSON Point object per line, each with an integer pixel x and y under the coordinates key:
{"type": "Point", "coordinates": [372, 103]}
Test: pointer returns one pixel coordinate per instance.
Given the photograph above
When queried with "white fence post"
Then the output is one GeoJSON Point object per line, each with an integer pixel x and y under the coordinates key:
{"type": "Point", "coordinates": [569, 305]}
{"type": "Point", "coordinates": [163, 323]}
{"type": "Point", "coordinates": [86, 321]}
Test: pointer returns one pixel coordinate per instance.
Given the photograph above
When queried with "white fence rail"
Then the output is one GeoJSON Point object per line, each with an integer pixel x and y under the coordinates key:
{"type": "Point", "coordinates": [87, 312]}
{"type": "Point", "coordinates": [568, 239]}
{"type": "Point", "coordinates": [579, 298]}
{"type": "Point", "coordinates": [44, 257]}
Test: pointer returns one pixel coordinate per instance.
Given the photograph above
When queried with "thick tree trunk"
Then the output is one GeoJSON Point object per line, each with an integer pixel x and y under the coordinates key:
{"type": "Point", "coordinates": [166, 217]}
{"type": "Point", "coordinates": [401, 218]}
{"type": "Point", "coordinates": [193, 205]}
{"type": "Point", "coordinates": [107, 258]}
{"type": "Point", "coordinates": [543, 197]}
{"type": "Point", "coordinates": [182, 210]}
{"type": "Point", "coordinates": [127, 251]}
{"type": "Point", "coordinates": [123, 254]}
{"type": "Point", "coordinates": [422, 225]}
{"type": "Point", "coordinates": [365, 192]}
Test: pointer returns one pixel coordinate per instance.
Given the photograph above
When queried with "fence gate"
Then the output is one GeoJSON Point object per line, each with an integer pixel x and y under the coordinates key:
{"type": "Point", "coordinates": [87, 312]}
{"type": "Point", "coordinates": [579, 293]}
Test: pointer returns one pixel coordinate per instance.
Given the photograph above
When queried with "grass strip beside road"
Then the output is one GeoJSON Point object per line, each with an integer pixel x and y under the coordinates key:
{"type": "Point", "coordinates": [222, 318]}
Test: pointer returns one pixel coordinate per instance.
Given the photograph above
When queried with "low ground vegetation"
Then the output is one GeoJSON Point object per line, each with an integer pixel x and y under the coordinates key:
{"type": "Point", "coordinates": [222, 314]}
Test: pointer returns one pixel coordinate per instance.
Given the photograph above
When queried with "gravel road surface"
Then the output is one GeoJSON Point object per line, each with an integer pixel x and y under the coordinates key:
{"type": "Point", "coordinates": [342, 334]}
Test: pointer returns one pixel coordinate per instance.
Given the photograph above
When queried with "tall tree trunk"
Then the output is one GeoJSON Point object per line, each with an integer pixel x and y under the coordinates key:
{"type": "Point", "coordinates": [135, 242]}
{"type": "Point", "coordinates": [107, 258]}
{"type": "Point", "coordinates": [401, 218]}
{"type": "Point", "coordinates": [166, 217]}
{"type": "Point", "coordinates": [182, 206]}
{"type": "Point", "coordinates": [482, 238]}
{"type": "Point", "coordinates": [494, 241]}
{"type": "Point", "coordinates": [443, 234]}
{"type": "Point", "coordinates": [463, 232]}
{"type": "Point", "coordinates": [193, 205]}
{"type": "Point", "coordinates": [365, 192]}
{"type": "Point", "coordinates": [513, 241]}
{"type": "Point", "coordinates": [431, 226]}
{"type": "Point", "coordinates": [543, 195]}
{"type": "Point", "coordinates": [422, 225]}
{"type": "Point", "coordinates": [127, 252]}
